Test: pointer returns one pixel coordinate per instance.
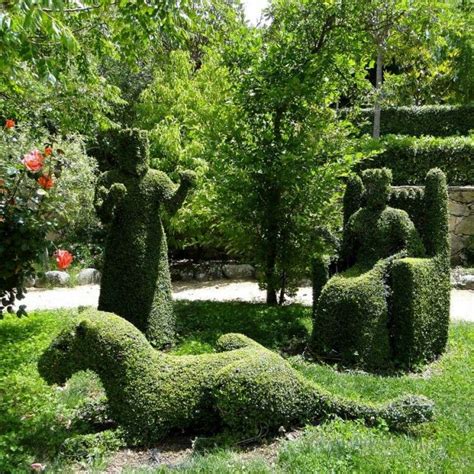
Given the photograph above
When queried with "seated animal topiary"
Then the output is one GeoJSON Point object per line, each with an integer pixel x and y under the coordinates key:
{"type": "Point", "coordinates": [244, 387]}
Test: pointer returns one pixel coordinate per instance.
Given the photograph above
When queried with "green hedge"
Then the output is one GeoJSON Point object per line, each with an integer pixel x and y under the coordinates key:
{"type": "Point", "coordinates": [353, 329]}
{"type": "Point", "coordinates": [244, 387]}
{"type": "Point", "coordinates": [435, 120]}
{"type": "Point", "coordinates": [396, 311]}
{"type": "Point", "coordinates": [410, 158]}
{"type": "Point", "coordinates": [420, 301]}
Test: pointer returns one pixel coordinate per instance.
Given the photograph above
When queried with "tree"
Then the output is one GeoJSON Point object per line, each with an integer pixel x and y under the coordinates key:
{"type": "Point", "coordinates": [278, 174]}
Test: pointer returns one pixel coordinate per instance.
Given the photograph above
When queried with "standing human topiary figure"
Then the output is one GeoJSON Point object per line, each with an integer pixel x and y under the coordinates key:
{"type": "Point", "coordinates": [136, 281]}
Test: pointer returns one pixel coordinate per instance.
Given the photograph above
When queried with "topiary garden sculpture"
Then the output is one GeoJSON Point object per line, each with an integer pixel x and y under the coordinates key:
{"type": "Point", "coordinates": [391, 304]}
{"type": "Point", "coordinates": [136, 280]}
{"type": "Point", "coordinates": [244, 387]}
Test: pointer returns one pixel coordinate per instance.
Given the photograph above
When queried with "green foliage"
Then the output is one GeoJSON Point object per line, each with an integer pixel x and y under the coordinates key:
{"type": "Point", "coordinates": [352, 199]}
{"type": "Point", "coordinates": [34, 212]}
{"type": "Point", "coordinates": [353, 328]}
{"type": "Point", "coordinates": [35, 419]}
{"type": "Point", "coordinates": [421, 287]}
{"type": "Point", "coordinates": [136, 281]}
{"type": "Point", "coordinates": [385, 309]}
{"type": "Point", "coordinates": [376, 231]}
{"type": "Point", "coordinates": [244, 386]}
{"type": "Point", "coordinates": [89, 447]}
{"type": "Point", "coordinates": [410, 158]}
{"type": "Point", "coordinates": [433, 120]}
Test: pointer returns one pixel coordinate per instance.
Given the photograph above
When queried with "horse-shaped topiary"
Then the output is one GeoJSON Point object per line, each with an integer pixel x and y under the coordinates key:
{"type": "Point", "coordinates": [244, 387]}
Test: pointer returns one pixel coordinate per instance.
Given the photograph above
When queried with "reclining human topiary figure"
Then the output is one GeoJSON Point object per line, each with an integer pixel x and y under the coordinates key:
{"type": "Point", "coordinates": [244, 387]}
{"type": "Point", "coordinates": [390, 306]}
{"type": "Point", "coordinates": [136, 280]}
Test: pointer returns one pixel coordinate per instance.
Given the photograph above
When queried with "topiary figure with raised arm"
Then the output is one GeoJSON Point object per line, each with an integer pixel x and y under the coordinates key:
{"type": "Point", "coordinates": [136, 280]}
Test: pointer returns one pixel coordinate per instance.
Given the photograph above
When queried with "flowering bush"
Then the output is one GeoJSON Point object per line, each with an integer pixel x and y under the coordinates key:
{"type": "Point", "coordinates": [32, 204]}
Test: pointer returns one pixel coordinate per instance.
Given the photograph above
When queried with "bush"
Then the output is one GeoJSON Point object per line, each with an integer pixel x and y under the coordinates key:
{"type": "Point", "coordinates": [136, 280]}
{"type": "Point", "coordinates": [421, 287]}
{"type": "Point", "coordinates": [246, 387]}
{"type": "Point", "coordinates": [435, 120]}
{"type": "Point", "coordinates": [410, 158]}
{"type": "Point", "coordinates": [353, 329]}
{"type": "Point", "coordinates": [45, 191]}
{"type": "Point", "coordinates": [398, 311]}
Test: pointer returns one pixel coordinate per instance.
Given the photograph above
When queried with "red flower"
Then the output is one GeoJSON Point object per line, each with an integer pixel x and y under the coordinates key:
{"type": "Point", "coordinates": [33, 161]}
{"type": "Point", "coordinates": [9, 123]}
{"type": "Point", "coordinates": [46, 182]}
{"type": "Point", "coordinates": [48, 150]}
{"type": "Point", "coordinates": [63, 259]}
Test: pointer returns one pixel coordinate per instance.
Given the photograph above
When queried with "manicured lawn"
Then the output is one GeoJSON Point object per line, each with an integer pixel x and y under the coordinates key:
{"type": "Point", "coordinates": [35, 419]}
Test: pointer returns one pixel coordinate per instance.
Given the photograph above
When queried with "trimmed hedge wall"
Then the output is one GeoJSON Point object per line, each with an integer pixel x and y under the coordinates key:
{"type": "Point", "coordinates": [435, 120]}
{"type": "Point", "coordinates": [410, 158]}
{"type": "Point", "coordinates": [245, 387]}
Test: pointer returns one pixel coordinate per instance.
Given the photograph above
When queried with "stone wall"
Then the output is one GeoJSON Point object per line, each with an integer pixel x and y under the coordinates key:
{"type": "Point", "coordinates": [461, 223]}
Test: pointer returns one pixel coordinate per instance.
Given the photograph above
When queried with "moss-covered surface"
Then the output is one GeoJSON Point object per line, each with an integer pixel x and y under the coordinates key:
{"type": "Point", "coordinates": [136, 280]}
{"type": "Point", "coordinates": [244, 387]}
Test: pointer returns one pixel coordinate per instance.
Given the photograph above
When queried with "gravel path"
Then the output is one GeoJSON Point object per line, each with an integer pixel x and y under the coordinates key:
{"type": "Point", "coordinates": [462, 301]}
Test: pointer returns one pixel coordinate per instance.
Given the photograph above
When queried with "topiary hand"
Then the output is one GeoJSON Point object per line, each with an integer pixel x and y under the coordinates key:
{"type": "Point", "coordinates": [117, 192]}
{"type": "Point", "coordinates": [188, 177]}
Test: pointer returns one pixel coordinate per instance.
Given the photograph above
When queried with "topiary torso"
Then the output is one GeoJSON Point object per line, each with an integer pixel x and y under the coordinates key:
{"type": "Point", "coordinates": [136, 280]}
{"type": "Point", "coordinates": [373, 234]}
{"type": "Point", "coordinates": [377, 231]}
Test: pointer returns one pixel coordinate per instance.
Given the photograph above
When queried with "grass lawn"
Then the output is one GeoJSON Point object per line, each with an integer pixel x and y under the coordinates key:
{"type": "Point", "coordinates": [35, 419]}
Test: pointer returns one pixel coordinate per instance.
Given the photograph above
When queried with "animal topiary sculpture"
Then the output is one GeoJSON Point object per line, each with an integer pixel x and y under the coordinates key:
{"type": "Point", "coordinates": [244, 387]}
{"type": "Point", "coordinates": [136, 279]}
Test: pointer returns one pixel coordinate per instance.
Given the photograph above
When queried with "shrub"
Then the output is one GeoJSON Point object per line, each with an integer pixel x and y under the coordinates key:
{"type": "Point", "coordinates": [421, 287]}
{"type": "Point", "coordinates": [136, 280]}
{"type": "Point", "coordinates": [398, 310]}
{"type": "Point", "coordinates": [246, 387]}
{"type": "Point", "coordinates": [353, 330]}
{"type": "Point", "coordinates": [36, 198]}
{"type": "Point", "coordinates": [410, 158]}
{"type": "Point", "coordinates": [435, 120]}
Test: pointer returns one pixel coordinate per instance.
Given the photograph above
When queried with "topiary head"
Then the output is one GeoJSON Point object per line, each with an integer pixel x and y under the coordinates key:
{"type": "Point", "coordinates": [97, 341]}
{"type": "Point", "coordinates": [60, 360]}
{"type": "Point", "coordinates": [129, 149]}
{"type": "Point", "coordinates": [377, 183]}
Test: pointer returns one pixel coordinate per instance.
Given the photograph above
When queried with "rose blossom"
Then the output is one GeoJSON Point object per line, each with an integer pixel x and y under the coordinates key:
{"type": "Point", "coordinates": [9, 123]}
{"type": "Point", "coordinates": [48, 150]}
{"type": "Point", "coordinates": [33, 161]}
{"type": "Point", "coordinates": [46, 182]}
{"type": "Point", "coordinates": [63, 259]}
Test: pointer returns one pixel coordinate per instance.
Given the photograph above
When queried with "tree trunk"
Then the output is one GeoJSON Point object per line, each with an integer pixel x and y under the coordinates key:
{"type": "Point", "coordinates": [270, 264]}
{"type": "Point", "coordinates": [378, 86]}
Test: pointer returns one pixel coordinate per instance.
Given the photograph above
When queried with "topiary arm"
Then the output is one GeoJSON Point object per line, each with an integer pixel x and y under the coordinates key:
{"type": "Point", "coordinates": [106, 200]}
{"type": "Point", "coordinates": [188, 181]}
{"type": "Point", "coordinates": [410, 238]}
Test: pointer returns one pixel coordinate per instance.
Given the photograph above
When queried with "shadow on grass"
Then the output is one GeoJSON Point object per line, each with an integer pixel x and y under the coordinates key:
{"type": "Point", "coordinates": [201, 323]}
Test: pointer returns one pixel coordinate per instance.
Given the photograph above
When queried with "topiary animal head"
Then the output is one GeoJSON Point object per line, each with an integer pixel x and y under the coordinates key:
{"type": "Point", "coordinates": [377, 183]}
{"type": "Point", "coordinates": [59, 361]}
{"type": "Point", "coordinates": [129, 148]}
{"type": "Point", "coordinates": [96, 341]}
